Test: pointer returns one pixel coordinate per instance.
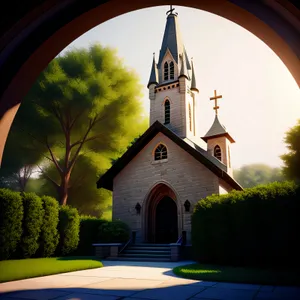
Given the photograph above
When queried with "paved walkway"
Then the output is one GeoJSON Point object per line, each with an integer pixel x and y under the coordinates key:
{"type": "Point", "coordinates": [136, 281]}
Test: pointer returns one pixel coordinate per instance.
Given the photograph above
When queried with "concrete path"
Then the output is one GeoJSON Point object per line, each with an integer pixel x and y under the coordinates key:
{"type": "Point", "coordinates": [136, 281]}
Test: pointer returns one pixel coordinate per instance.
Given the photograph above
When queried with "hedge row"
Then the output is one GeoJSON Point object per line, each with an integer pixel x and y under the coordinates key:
{"type": "Point", "coordinates": [93, 230]}
{"type": "Point", "coordinates": [257, 227]}
{"type": "Point", "coordinates": [31, 226]}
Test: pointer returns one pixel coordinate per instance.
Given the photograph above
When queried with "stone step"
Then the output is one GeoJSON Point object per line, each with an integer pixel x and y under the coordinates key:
{"type": "Point", "coordinates": [149, 248]}
{"type": "Point", "coordinates": [146, 251]}
{"type": "Point", "coordinates": [151, 245]}
{"type": "Point", "coordinates": [144, 255]}
{"type": "Point", "coordinates": [122, 258]}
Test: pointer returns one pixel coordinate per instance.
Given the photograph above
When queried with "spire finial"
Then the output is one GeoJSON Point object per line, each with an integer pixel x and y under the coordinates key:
{"type": "Point", "coordinates": [216, 107]}
{"type": "Point", "coordinates": [170, 11]}
{"type": "Point", "coordinates": [153, 55]}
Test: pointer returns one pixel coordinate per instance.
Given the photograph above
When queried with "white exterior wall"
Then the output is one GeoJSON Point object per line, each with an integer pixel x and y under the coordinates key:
{"type": "Point", "coordinates": [188, 178]}
{"type": "Point", "coordinates": [224, 144]}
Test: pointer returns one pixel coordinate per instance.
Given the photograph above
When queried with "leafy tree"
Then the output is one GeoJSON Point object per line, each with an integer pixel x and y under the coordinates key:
{"type": "Point", "coordinates": [84, 110]}
{"type": "Point", "coordinates": [291, 159]}
{"type": "Point", "coordinates": [256, 174]}
{"type": "Point", "coordinates": [18, 163]}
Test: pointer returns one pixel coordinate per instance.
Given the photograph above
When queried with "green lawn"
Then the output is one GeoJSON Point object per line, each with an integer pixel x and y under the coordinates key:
{"type": "Point", "coordinates": [27, 268]}
{"type": "Point", "coordinates": [236, 274]}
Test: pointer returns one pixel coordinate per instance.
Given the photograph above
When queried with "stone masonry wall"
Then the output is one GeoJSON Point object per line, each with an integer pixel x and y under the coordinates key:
{"type": "Point", "coordinates": [188, 178]}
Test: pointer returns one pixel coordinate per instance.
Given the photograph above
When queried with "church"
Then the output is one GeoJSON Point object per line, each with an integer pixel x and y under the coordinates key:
{"type": "Point", "coordinates": [169, 168]}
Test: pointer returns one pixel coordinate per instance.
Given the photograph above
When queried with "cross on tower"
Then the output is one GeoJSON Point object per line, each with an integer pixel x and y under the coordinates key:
{"type": "Point", "coordinates": [170, 12]}
{"type": "Point", "coordinates": [216, 107]}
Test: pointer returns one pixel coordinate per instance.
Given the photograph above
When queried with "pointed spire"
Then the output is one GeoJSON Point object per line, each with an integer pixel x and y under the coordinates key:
{"type": "Point", "coordinates": [217, 130]}
{"type": "Point", "coordinates": [183, 69]}
{"type": "Point", "coordinates": [172, 40]}
{"type": "Point", "coordinates": [193, 84]}
{"type": "Point", "coordinates": [154, 73]}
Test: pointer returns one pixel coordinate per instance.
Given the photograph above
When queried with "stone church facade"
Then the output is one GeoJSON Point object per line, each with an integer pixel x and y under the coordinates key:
{"type": "Point", "coordinates": [161, 177]}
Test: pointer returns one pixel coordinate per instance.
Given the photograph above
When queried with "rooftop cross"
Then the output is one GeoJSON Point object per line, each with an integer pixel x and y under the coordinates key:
{"type": "Point", "coordinates": [170, 11]}
{"type": "Point", "coordinates": [216, 107]}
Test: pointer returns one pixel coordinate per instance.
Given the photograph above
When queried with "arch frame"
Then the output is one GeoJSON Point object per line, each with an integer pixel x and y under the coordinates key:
{"type": "Point", "coordinates": [28, 44]}
{"type": "Point", "coordinates": [146, 206]}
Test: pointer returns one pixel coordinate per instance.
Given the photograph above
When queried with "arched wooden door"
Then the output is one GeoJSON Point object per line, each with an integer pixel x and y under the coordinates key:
{"type": "Point", "coordinates": [161, 216]}
{"type": "Point", "coordinates": [166, 223]}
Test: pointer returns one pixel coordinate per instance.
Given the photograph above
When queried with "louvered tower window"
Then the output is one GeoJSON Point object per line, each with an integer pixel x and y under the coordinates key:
{"type": "Point", "coordinates": [167, 112]}
{"type": "Point", "coordinates": [166, 71]}
{"type": "Point", "coordinates": [217, 153]}
{"type": "Point", "coordinates": [160, 152]}
{"type": "Point", "coordinates": [171, 70]}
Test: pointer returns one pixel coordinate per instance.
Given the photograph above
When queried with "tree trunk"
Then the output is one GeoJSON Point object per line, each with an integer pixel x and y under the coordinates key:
{"type": "Point", "coordinates": [63, 189]}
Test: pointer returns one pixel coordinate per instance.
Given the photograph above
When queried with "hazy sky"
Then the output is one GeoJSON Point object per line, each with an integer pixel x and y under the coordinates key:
{"type": "Point", "coordinates": [261, 100]}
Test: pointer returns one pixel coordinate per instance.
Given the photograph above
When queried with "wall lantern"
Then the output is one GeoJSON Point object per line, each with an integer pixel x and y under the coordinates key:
{"type": "Point", "coordinates": [138, 208]}
{"type": "Point", "coordinates": [187, 205]}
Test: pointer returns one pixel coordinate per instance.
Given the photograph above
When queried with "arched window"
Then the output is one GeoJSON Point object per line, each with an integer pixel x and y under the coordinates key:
{"type": "Point", "coordinates": [160, 152]}
{"type": "Point", "coordinates": [190, 117]}
{"type": "Point", "coordinates": [166, 71]}
{"type": "Point", "coordinates": [171, 70]}
{"type": "Point", "coordinates": [167, 112]}
{"type": "Point", "coordinates": [217, 153]}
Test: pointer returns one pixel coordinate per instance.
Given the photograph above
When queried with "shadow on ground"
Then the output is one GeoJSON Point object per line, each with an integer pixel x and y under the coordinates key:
{"type": "Point", "coordinates": [192, 291]}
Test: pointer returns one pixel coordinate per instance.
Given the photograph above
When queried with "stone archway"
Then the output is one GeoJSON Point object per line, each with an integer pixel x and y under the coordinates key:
{"type": "Point", "coordinates": [161, 215]}
{"type": "Point", "coordinates": [29, 43]}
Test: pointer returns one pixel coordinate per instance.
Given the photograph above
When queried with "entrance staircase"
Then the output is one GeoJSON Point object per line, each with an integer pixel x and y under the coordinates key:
{"type": "Point", "coordinates": [146, 252]}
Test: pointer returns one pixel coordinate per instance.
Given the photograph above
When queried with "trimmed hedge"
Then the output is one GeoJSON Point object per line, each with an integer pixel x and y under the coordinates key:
{"type": "Point", "coordinates": [68, 228]}
{"type": "Point", "coordinates": [88, 234]}
{"type": "Point", "coordinates": [113, 232]}
{"type": "Point", "coordinates": [49, 237]}
{"type": "Point", "coordinates": [11, 216]}
{"type": "Point", "coordinates": [258, 227]}
{"type": "Point", "coordinates": [32, 224]}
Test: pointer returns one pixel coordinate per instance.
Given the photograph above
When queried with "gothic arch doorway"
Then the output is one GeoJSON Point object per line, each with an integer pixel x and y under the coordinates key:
{"type": "Point", "coordinates": [161, 216]}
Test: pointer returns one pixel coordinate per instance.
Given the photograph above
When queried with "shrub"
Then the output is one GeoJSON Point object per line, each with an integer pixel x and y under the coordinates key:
{"type": "Point", "coordinates": [49, 237]}
{"type": "Point", "coordinates": [11, 215]}
{"type": "Point", "coordinates": [257, 226]}
{"type": "Point", "coordinates": [113, 232]}
{"type": "Point", "coordinates": [32, 224]}
{"type": "Point", "coordinates": [88, 234]}
{"type": "Point", "coordinates": [68, 228]}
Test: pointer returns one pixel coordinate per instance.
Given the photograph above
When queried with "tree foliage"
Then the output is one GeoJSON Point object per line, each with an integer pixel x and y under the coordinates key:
{"type": "Point", "coordinates": [291, 159]}
{"type": "Point", "coordinates": [84, 110]}
{"type": "Point", "coordinates": [256, 174]}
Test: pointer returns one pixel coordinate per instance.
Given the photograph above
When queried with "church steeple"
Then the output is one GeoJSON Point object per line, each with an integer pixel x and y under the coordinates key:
{"type": "Point", "coordinates": [154, 73]}
{"type": "Point", "coordinates": [173, 100]}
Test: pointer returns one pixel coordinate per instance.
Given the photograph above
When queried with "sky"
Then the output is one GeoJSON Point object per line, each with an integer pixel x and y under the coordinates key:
{"type": "Point", "coordinates": [261, 99]}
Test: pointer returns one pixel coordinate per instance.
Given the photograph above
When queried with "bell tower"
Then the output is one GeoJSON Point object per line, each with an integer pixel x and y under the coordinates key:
{"type": "Point", "coordinates": [218, 139]}
{"type": "Point", "coordinates": [172, 84]}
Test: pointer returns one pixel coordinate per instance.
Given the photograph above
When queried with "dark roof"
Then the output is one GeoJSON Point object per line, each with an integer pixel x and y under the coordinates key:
{"type": "Point", "coordinates": [172, 41]}
{"type": "Point", "coordinates": [106, 181]}
{"type": "Point", "coordinates": [217, 130]}
{"type": "Point", "coordinates": [154, 74]}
